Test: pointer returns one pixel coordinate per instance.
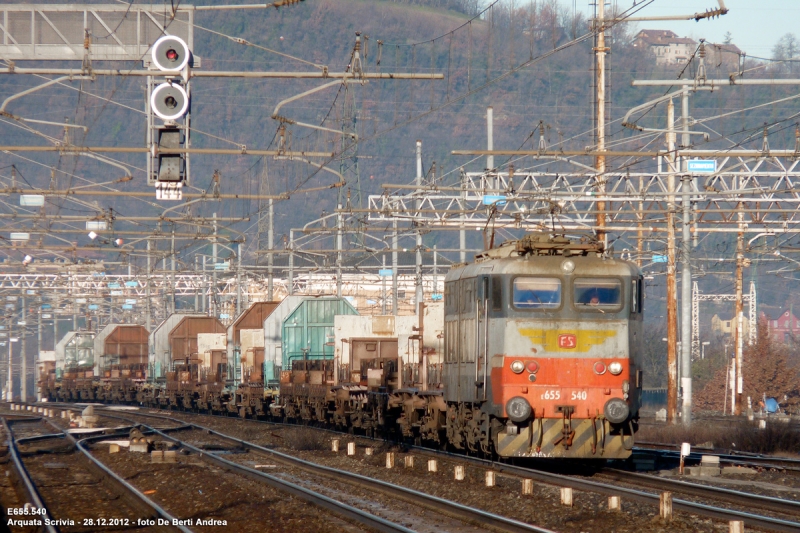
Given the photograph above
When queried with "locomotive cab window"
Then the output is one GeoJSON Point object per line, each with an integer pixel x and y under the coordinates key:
{"type": "Point", "coordinates": [598, 293]}
{"type": "Point", "coordinates": [537, 293]}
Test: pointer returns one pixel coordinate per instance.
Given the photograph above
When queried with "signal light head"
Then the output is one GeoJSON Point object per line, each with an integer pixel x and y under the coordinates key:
{"type": "Point", "coordinates": [599, 368]}
{"type": "Point", "coordinates": [170, 53]}
{"type": "Point", "coordinates": [169, 101]}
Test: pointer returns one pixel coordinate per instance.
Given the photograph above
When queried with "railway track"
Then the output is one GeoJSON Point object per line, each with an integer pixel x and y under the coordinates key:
{"type": "Point", "coordinates": [746, 500]}
{"type": "Point", "coordinates": [460, 513]}
{"type": "Point", "coordinates": [51, 488]}
{"type": "Point", "coordinates": [759, 461]}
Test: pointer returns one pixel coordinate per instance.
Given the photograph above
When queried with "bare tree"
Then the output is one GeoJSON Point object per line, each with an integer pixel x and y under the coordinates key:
{"type": "Point", "coordinates": [785, 50]}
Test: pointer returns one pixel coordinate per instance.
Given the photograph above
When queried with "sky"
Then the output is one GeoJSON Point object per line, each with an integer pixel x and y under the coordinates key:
{"type": "Point", "coordinates": [755, 25]}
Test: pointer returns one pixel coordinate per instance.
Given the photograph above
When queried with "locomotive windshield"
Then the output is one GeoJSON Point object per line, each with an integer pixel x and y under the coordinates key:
{"type": "Point", "coordinates": [537, 293]}
{"type": "Point", "coordinates": [602, 293]}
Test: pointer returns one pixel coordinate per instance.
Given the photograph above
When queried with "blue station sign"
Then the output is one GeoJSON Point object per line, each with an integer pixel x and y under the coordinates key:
{"type": "Point", "coordinates": [702, 165]}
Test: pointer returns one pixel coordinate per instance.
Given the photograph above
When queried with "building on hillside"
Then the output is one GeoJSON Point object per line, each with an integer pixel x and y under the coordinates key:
{"type": "Point", "coordinates": [667, 47]}
{"type": "Point", "coordinates": [785, 327]}
{"type": "Point", "coordinates": [724, 327]}
{"type": "Point", "coordinates": [725, 56]}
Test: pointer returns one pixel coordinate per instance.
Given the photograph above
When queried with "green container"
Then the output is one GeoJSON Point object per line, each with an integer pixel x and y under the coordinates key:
{"type": "Point", "coordinates": [308, 330]}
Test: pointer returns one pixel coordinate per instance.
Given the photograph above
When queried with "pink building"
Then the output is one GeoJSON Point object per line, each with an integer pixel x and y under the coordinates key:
{"type": "Point", "coordinates": [785, 327]}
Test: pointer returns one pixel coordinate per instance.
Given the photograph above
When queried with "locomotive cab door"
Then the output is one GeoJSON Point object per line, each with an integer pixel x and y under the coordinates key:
{"type": "Point", "coordinates": [481, 336]}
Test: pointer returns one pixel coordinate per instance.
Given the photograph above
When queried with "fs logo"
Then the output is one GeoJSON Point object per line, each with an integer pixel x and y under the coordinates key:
{"type": "Point", "coordinates": [567, 341]}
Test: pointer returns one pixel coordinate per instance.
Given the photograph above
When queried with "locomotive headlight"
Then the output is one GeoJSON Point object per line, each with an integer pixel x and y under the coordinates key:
{"type": "Point", "coordinates": [568, 266]}
{"type": "Point", "coordinates": [616, 410]}
{"type": "Point", "coordinates": [615, 368]}
{"type": "Point", "coordinates": [517, 366]}
{"type": "Point", "coordinates": [518, 409]}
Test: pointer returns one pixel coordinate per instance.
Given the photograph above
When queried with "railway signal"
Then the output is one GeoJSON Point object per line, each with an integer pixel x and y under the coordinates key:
{"type": "Point", "coordinates": [169, 101]}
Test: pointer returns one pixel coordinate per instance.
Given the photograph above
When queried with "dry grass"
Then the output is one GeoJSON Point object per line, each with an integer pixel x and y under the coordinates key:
{"type": "Point", "coordinates": [306, 439]}
{"type": "Point", "coordinates": [735, 435]}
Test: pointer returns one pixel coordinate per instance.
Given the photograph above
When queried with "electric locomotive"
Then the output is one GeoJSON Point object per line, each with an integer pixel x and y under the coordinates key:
{"type": "Point", "coordinates": [542, 350]}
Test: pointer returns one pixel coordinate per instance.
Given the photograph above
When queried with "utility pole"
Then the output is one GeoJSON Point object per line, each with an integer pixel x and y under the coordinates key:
{"type": "Point", "coordinates": [39, 336]}
{"type": "Point", "coordinates": [238, 279]}
{"type": "Point", "coordinates": [147, 291]}
{"type": "Point", "coordinates": [23, 374]}
{"type": "Point", "coordinates": [290, 277]}
{"type": "Point", "coordinates": [738, 337]}
{"type": "Point", "coordinates": [686, 305]}
{"type": "Point", "coordinates": [10, 373]}
{"type": "Point", "coordinates": [271, 244]}
{"type": "Point", "coordinates": [686, 272]}
{"type": "Point", "coordinates": [197, 290]}
{"type": "Point", "coordinates": [172, 272]}
{"type": "Point", "coordinates": [600, 103]}
{"type": "Point", "coordinates": [213, 302]}
{"type": "Point", "coordinates": [339, 222]}
{"type": "Point", "coordinates": [394, 267]}
{"type": "Point", "coordinates": [383, 286]}
{"type": "Point", "coordinates": [418, 273]}
{"type": "Point", "coordinates": [672, 304]}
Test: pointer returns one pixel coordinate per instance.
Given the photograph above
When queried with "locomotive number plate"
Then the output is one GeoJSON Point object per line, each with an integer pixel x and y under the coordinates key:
{"type": "Point", "coordinates": [567, 341]}
{"type": "Point", "coordinates": [551, 395]}
{"type": "Point", "coordinates": [578, 395]}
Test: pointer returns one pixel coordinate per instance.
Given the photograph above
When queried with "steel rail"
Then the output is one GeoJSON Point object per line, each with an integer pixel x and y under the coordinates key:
{"type": "Point", "coordinates": [368, 519]}
{"type": "Point", "coordinates": [750, 519]}
{"type": "Point", "coordinates": [704, 491]}
{"type": "Point", "coordinates": [476, 516]}
{"type": "Point", "coordinates": [759, 461]}
{"type": "Point", "coordinates": [135, 496]}
{"type": "Point", "coordinates": [33, 496]}
{"type": "Point", "coordinates": [753, 520]}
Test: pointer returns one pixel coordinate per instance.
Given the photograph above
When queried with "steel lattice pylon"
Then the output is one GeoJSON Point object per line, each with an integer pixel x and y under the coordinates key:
{"type": "Point", "coordinates": [697, 297]}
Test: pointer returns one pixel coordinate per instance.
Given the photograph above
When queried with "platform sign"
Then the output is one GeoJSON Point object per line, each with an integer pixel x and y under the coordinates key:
{"type": "Point", "coordinates": [80, 300]}
{"type": "Point", "coordinates": [31, 291]}
{"type": "Point", "coordinates": [113, 285]}
{"type": "Point", "coordinates": [436, 297]}
{"type": "Point", "coordinates": [46, 315]}
{"type": "Point", "coordinates": [93, 307]}
{"type": "Point", "coordinates": [222, 266]}
{"type": "Point", "coordinates": [224, 315]}
{"type": "Point", "coordinates": [494, 199]}
{"type": "Point", "coordinates": [127, 306]}
{"type": "Point", "coordinates": [116, 293]}
{"type": "Point", "coordinates": [22, 323]}
{"type": "Point", "coordinates": [385, 272]}
{"type": "Point", "coordinates": [131, 283]}
{"type": "Point", "coordinates": [96, 225]}
{"type": "Point", "coordinates": [20, 236]}
{"type": "Point", "coordinates": [31, 200]}
{"type": "Point", "coordinates": [45, 306]}
{"type": "Point", "coordinates": [659, 259]}
{"type": "Point", "coordinates": [702, 165]}
{"type": "Point", "coordinates": [130, 301]}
